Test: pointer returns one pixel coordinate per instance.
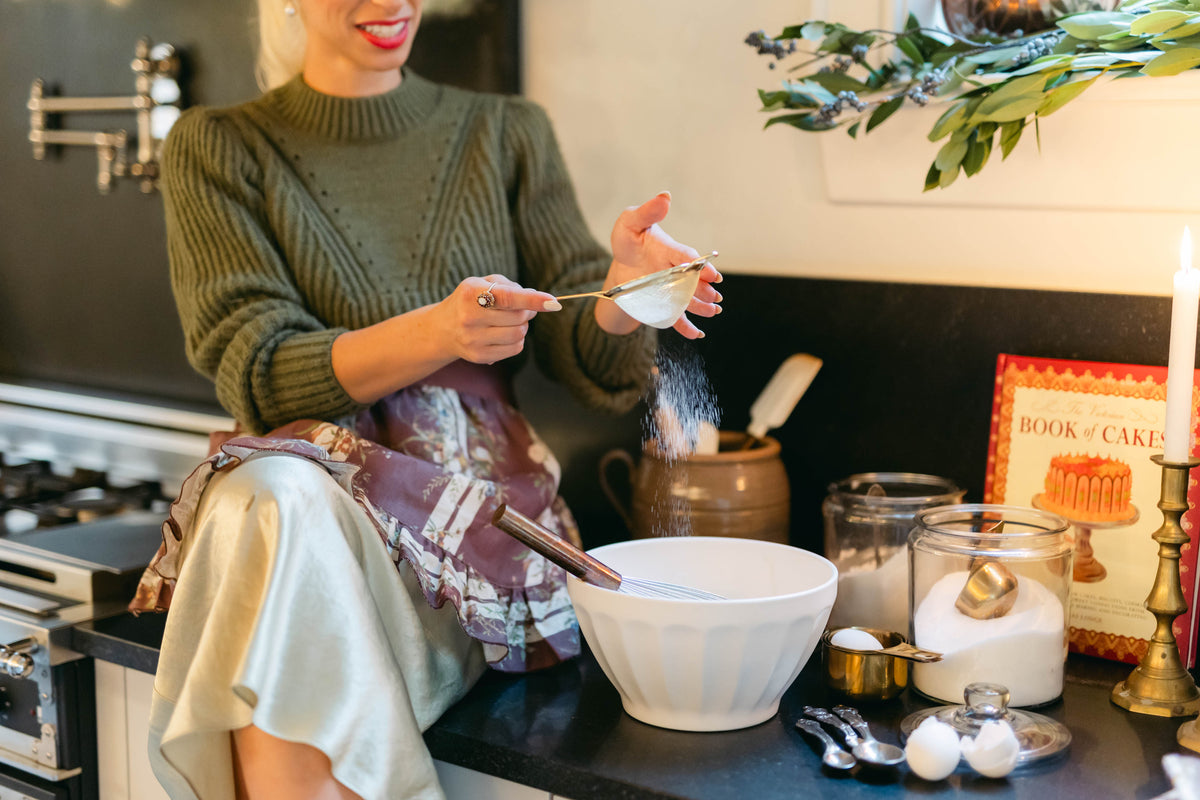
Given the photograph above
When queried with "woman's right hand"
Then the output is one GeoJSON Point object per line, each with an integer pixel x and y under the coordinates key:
{"type": "Point", "coordinates": [375, 361]}
{"type": "Point", "coordinates": [485, 334]}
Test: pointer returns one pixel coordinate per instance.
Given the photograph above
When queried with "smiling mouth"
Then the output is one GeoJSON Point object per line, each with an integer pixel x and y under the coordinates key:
{"type": "Point", "coordinates": [382, 30]}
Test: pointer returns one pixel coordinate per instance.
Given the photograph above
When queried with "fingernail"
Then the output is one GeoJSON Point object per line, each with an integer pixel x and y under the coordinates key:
{"type": "Point", "coordinates": [720, 310]}
{"type": "Point", "coordinates": [720, 297]}
{"type": "Point", "coordinates": [701, 336]}
{"type": "Point", "coordinates": [665, 194]}
{"type": "Point", "coordinates": [552, 305]}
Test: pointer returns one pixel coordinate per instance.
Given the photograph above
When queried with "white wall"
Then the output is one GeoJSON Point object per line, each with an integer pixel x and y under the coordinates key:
{"type": "Point", "coordinates": [661, 94]}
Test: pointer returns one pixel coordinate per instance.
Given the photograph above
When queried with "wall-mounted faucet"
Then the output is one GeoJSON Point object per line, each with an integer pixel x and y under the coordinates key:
{"type": "Point", "coordinates": [155, 101]}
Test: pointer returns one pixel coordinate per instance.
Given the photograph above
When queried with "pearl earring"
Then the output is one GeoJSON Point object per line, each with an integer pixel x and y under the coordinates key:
{"type": "Point", "coordinates": [289, 8]}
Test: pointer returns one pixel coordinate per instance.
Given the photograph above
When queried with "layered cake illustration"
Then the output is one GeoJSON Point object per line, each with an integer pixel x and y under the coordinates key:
{"type": "Point", "coordinates": [1088, 488]}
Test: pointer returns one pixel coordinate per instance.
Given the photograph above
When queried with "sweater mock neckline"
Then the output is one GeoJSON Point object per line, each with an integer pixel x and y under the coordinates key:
{"type": "Point", "coordinates": [351, 118]}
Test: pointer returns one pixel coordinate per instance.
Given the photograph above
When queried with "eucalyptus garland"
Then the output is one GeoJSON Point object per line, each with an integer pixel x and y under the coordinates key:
{"type": "Point", "coordinates": [994, 87]}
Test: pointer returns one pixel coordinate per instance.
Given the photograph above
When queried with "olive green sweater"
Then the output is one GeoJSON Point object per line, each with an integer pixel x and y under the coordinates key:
{"type": "Point", "coordinates": [299, 215]}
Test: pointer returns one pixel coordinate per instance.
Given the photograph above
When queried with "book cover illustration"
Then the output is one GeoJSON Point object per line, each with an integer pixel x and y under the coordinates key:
{"type": "Point", "coordinates": [1075, 438]}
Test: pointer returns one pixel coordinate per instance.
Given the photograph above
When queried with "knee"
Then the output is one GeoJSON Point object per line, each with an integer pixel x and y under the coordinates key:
{"type": "Point", "coordinates": [277, 480]}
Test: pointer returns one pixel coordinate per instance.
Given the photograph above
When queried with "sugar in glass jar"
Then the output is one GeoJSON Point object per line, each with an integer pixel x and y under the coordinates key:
{"type": "Point", "coordinates": [868, 517]}
{"type": "Point", "coordinates": [990, 589]}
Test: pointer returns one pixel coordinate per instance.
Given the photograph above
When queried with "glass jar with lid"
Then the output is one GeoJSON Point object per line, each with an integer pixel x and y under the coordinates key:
{"type": "Point", "coordinates": [867, 520]}
{"type": "Point", "coordinates": [990, 589]}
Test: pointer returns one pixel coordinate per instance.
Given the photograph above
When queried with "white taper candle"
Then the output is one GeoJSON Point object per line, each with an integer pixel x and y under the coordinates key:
{"type": "Point", "coordinates": [1181, 360]}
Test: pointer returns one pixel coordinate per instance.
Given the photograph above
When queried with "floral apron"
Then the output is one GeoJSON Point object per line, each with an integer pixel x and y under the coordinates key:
{"type": "Point", "coordinates": [429, 465]}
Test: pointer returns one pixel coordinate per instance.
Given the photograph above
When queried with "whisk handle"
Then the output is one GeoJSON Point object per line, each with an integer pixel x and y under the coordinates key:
{"type": "Point", "coordinates": [538, 539]}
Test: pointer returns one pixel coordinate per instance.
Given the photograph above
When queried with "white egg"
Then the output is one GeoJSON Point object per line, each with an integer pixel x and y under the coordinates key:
{"type": "Point", "coordinates": [932, 749]}
{"type": "Point", "coordinates": [852, 639]}
{"type": "Point", "coordinates": [994, 750]}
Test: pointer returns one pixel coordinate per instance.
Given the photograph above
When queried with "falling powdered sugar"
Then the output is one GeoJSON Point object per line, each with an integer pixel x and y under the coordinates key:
{"type": "Point", "coordinates": [682, 414]}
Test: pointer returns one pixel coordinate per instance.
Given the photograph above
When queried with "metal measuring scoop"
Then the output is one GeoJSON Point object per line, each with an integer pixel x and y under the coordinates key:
{"type": "Point", "coordinates": [657, 299]}
{"type": "Point", "coordinates": [902, 650]}
{"type": "Point", "coordinates": [990, 591]}
{"type": "Point", "coordinates": [834, 756]}
{"type": "Point", "coordinates": [865, 747]}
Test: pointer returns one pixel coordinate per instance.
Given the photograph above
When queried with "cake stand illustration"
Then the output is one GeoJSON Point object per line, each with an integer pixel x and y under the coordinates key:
{"type": "Point", "coordinates": [1087, 569]}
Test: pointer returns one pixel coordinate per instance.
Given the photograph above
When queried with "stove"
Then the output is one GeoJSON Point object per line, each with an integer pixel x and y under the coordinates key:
{"type": "Point", "coordinates": [85, 483]}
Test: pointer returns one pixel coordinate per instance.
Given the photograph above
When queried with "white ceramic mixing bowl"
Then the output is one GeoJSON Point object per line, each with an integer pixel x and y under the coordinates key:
{"type": "Point", "coordinates": [707, 665]}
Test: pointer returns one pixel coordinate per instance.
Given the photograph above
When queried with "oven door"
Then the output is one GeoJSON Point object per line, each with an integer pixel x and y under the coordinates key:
{"type": "Point", "coordinates": [17, 785]}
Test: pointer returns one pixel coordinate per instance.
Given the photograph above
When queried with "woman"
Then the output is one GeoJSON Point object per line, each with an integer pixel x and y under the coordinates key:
{"type": "Point", "coordinates": [350, 255]}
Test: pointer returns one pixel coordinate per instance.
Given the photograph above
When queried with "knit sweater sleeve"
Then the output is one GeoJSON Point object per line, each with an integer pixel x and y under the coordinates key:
{"type": "Point", "coordinates": [245, 322]}
{"type": "Point", "coordinates": [559, 255]}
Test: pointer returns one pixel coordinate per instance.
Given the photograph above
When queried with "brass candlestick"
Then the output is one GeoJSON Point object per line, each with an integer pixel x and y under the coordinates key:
{"type": "Point", "coordinates": [1160, 685]}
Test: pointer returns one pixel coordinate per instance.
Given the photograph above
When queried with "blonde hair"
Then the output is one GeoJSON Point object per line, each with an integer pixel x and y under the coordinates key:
{"type": "Point", "coordinates": [281, 42]}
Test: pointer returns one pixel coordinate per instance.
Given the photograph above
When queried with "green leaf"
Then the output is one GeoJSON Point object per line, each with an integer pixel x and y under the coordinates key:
{"type": "Point", "coordinates": [1168, 42]}
{"type": "Point", "coordinates": [1062, 95]}
{"type": "Point", "coordinates": [1158, 21]}
{"type": "Point", "coordinates": [1043, 64]}
{"type": "Point", "coordinates": [932, 178]}
{"type": "Point", "coordinates": [952, 153]}
{"type": "Point", "coordinates": [1014, 99]}
{"type": "Point", "coordinates": [805, 122]}
{"type": "Point", "coordinates": [775, 101]}
{"type": "Point", "coordinates": [953, 117]}
{"type": "Point", "coordinates": [1010, 134]}
{"type": "Point", "coordinates": [994, 55]}
{"type": "Point", "coordinates": [1122, 45]}
{"type": "Point", "coordinates": [1012, 89]}
{"type": "Point", "coordinates": [1091, 26]}
{"type": "Point", "coordinates": [1068, 45]}
{"type": "Point", "coordinates": [884, 111]}
{"type": "Point", "coordinates": [842, 40]}
{"type": "Point", "coordinates": [815, 28]}
{"type": "Point", "coordinates": [852, 131]}
{"type": "Point", "coordinates": [811, 32]}
{"type": "Point", "coordinates": [1182, 32]}
{"type": "Point", "coordinates": [941, 53]}
{"type": "Point", "coordinates": [977, 155]}
{"type": "Point", "coordinates": [807, 93]}
{"type": "Point", "coordinates": [953, 81]}
{"type": "Point", "coordinates": [947, 177]}
{"type": "Point", "coordinates": [1173, 62]}
{"type": "Point", "coordinates": [1100, 60]}
{"type": "Point", "coordinates": [838, 82]}
{"type": "Point", "coordinates": [910, 49]}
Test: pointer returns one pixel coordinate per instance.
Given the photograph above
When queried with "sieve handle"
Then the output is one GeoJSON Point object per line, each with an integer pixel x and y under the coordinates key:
{"type": "Point", "coordinates": [540, 540]}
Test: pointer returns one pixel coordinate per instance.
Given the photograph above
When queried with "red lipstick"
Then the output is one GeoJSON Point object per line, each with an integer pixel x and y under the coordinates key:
{"type": "Point", "coordinates": [385, 35]}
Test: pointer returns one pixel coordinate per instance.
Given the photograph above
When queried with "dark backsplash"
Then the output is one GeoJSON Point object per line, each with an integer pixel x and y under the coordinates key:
{"type": "Point", "coordinates": [906, 386]}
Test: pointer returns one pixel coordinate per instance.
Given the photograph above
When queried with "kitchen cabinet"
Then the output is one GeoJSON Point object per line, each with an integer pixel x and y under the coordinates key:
{"type": "Point", "coordinates": [123, 727]}
{"type": "Point", "coordinates": [461, 783]}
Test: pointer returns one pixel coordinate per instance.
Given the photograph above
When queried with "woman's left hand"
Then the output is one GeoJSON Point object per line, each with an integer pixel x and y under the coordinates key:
{"type": "Point", "coordinates": [640, 246]}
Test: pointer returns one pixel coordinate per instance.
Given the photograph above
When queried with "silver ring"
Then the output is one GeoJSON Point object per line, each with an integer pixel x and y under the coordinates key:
{"type": "Point", "coordinates": [485, 298]}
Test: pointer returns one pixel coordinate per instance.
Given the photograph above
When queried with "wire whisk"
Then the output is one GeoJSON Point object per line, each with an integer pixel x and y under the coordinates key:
{"type": "Point", "coordinates": [585, 567]}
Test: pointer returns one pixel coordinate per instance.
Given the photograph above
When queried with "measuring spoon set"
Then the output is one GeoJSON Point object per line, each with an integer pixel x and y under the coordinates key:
{"type": "Point", "coordinates": [855, 733]}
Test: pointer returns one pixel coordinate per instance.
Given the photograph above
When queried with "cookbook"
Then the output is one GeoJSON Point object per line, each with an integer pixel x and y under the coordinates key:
{"type": "Point", "coordinates": [1075, 438]}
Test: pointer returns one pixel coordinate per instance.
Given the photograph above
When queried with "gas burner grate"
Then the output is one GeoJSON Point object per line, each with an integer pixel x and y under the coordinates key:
{"type": "Point", "coordinates": [32, 495]}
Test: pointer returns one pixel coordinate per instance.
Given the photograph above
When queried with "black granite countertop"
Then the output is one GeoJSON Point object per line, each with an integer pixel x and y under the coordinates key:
{"type": "Point", "coordinates": [563, 731]}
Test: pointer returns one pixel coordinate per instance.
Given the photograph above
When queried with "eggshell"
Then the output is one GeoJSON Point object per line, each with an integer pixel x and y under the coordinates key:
{"type": "Point", "coordinates": [932, 750]}
{"type": "Point", "coordinates": [853, 639]}
{"type": "Point", "coordinates": [993, 751]}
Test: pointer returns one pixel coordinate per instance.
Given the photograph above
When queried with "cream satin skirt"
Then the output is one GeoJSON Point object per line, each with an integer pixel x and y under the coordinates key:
{"type": "Point", "coordinates": [290, 615]}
